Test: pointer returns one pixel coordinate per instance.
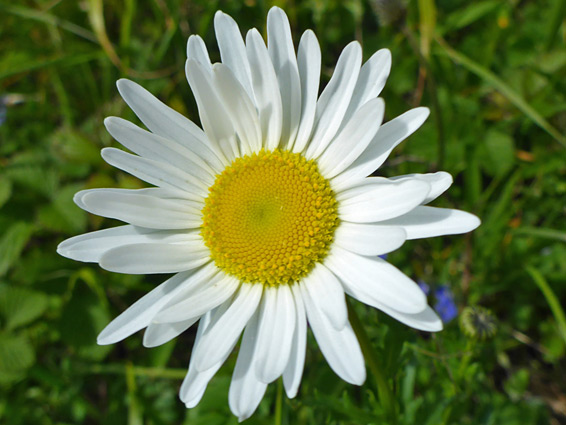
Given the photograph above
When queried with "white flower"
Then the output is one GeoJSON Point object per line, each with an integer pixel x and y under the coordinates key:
{"type": "Point", "coordinates": [266, 215]}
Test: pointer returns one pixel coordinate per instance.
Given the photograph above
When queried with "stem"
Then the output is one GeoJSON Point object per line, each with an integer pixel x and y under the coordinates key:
{"type": "Point", "coordinates": [385, 394]}
{"type": "Point", "coordinates": [279, 403]}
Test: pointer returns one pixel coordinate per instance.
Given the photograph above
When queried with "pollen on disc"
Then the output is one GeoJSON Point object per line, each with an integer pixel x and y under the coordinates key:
{"type": "Point", "coordinates": [269, 217]}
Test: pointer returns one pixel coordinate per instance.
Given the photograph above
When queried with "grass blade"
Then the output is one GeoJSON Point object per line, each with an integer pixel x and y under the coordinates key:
{"type": "Point", "coordinates": [503, 88]}
{"type": "Point", "coordinates": [551, 299]}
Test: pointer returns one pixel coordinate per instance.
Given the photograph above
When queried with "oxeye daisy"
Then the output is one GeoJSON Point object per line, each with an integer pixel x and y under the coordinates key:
{"type": "Point", "coordinates": [265, 214]}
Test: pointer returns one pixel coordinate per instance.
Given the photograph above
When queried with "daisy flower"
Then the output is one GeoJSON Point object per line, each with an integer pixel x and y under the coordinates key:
{"type": "Point", "coordinates": [266, 213]}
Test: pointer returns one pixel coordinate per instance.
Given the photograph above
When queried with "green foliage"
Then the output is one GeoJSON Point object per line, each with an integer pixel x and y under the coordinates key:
{"type": "Point", "coordinates": [493, 73]}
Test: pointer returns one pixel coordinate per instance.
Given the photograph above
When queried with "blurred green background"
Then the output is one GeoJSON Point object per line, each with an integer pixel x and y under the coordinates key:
{"type": "Point", "coordinates": [494, 75]}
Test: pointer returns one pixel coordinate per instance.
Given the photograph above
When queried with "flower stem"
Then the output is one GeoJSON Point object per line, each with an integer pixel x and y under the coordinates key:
{"type": "Point", "coordinates": [279, 403]}
{"type": "Point", "coordinates": [384, 390]}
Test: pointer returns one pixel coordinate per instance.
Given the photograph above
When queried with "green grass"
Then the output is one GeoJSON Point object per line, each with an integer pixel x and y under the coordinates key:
{"type": "Point", "coordinates": [494, 75]}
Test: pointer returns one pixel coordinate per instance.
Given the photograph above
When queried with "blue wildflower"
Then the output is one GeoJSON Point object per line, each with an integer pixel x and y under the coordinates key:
{"type": "Point", "coordinates": [445, 305]}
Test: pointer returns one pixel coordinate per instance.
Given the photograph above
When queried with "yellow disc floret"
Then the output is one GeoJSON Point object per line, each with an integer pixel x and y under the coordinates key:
{"type": "Point", "coordinates": [269, 217]}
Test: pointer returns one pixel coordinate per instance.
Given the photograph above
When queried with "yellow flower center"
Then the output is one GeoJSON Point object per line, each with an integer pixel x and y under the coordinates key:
{"type": "Point", "coordinates": [269, 217]}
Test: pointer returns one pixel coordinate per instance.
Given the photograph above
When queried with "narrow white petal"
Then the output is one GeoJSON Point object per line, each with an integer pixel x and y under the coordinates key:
{"type": "Point", "coordinates": [428, 222]}
{"type": "Point", "coordinates": [232, 49]}
{"type": "Point", "coordinates": [156, 173]}
{"type": "Point", "coordinates": [377, 279]}
{"type": "Point", "coordinates": [152, 146]}
{"type": "Point", "coordinates": [369, 239]}
{"type": "Point", "coordinates": [439, 182]}
{"type": "Point", "coordinates": [276, 327]}
{"type": "Point", "coordinates": [427, 320]}
{"type": "Point", "coordinates": [380, 199]}
{"type": "Point", "coordinates": [266, 90]}
{"type": "Point", "coordinates": [387, 138]}
{"type": "Point", "coordinates": [140, 209]}
{"type": "Point", "coordinates": [226, 326]}
{"type": "Point", "coordinates": [196, 50]}
{"type": "Point", "coordinates": [282, 52]}
{"type": "Point", "coordinates": [340, 347]}
{"type": "Point", "coordinates": [246, 391]}
{"type": "Point", "coordinates": [294, 370]}
{"type": "Point", "coordinates": [323, 286]}
{"type": "Point", "coordinates": [213, 116]}
{"type": "Point", "coordinates": [89, 247]}
{"type": "Point", "coordinates": [195, 382]}
{"type": "Point", "coordinates": [151, 258]}
{"type": "Point", "coordinates": [203, 300]}
{"type": "Point", "coordinates": [371, 80]}
{"type": "Point", "coordinates": [354, 137]}
{"type": "Point", "coordinates": [140, 314]}
{"type": "Point", "coordinates": [168, 123]}
{"type": "Point", "coordinates": [157, 334]}
{"type": "Point", "coordinates": [335, 98]}
{"type": "Point", "coordinates": [309, 63]}
{"type": "Point", "coordinates": [239, 107]}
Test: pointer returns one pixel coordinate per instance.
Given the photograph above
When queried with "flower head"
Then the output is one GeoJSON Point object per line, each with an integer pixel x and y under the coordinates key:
{"type": "Point", "coordinates": [266, 214]}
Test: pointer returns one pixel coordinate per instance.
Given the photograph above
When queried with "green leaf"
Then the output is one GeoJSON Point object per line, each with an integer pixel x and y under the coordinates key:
{"type": "Point", "coordinates": [16, 355]}
{"type": "Point", "coordinates": [499, 153]}
{"type": "Point", "coordinates": [12, 244]}
{"type": "Point", "coordinates": [517, 384]}
{"type": "Point", "coordinates": [81, 321]}
{"type": "Point", "coordinates": [551, 299]}
{"type": "Point", "coordinates": [62, 215]}
{"type": "Point", "coordinates": [5, 190]}
{"type": "Point", "coordinates": [468, 15]}
{"type": "Point", "coordinates": [20, 306]}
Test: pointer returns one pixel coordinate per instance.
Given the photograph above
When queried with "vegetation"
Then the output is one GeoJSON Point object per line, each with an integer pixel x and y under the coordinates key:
{"type": "Point", "coordinates": [493, 73]}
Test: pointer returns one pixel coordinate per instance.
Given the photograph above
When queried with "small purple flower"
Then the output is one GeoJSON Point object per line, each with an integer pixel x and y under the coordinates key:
{"type": "Point", "coordinates": [445, 305]}
{"type": "Point", "coordinates": [383, 257]}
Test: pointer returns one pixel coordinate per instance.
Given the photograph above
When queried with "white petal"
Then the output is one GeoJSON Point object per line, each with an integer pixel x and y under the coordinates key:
{"type": "Point", "coordinates": [352, 139]}
{"type": "Point", "coordinates": [232, 49]}
{"type": "Point", "coordinates": [428, 222]}
{"type": "Point", "coordinates": [323, 286]}
{"type": "Point", "coordinates": [157, 334]}
{"type": "Point", "coordinates": [294, 370]}
{"type": "Point", "coordinates": [371, 80]}
{"type": "Point", "coordinates": [195, 382]}
{"type": "Point", "coordinates": [226, 326]}
{"type": "Point", "coordinates": [89, 247]}
{"type": "Point", "coordinates": [266, 90]}
{"type": "Point", "coordinates": [246, 391]}
{"type": "Point", "coordinates": [213, 116]}
{"type": "Point", "coordinates": [340, 348]}
{"type": "Point", "coordinates": [439, 182]}
{"type": "Point", "coordinates": [377, 279]}
{"type": "Point", "coordinates": [282, 52]}
{"type": "Point", "coordinates": [369, 239]}
{"type": "Point", "coordinates": [309, 63]}
{"type": "Point", "coordinates": [427, 320]}
{"type": "Point", "coordinates": [140, 209]}
{"type": "Point", "coordinates": [156, 173]}
{"type": "Point", "coordinates": [168, 123]}
{"type": "Point", "coordinates": [239, 107]}
{"type": "Point", "coordinates": [276, 328]}
{"type": "Point", "coordinates": [387, 138]}
{"type": "Point", "coordinates": [151, 258]}
{"type": "Point", "coordinates": [201, 301]}
{"type": "Point", "coordinates": [380, 199]}
{"type": "Point", "coordinates": [196, 50]}
{"type": "Point", "coordinates": [152, 146]}
{"type": "Point", "coordinates": [335, 98]}
{"type": "Point", "coordinates": [140, 314]}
